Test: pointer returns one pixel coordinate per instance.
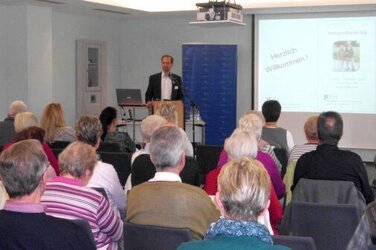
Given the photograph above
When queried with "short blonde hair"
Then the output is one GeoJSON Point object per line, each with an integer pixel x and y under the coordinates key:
{"type": "Point", "coordinates": [77, 158]}
{"type": "Point", "coordinates": [244, 189]}
{"type": "Point", "coordinates": [241, 144]}
{"type": "Point", "coordinates": [24, 120]}
{"type": "Point", "coordinates": [168, 111]}
{"type": "Point", "coordinates": [252, 122]}
{"type": "Point", "coordinates": [310, 128]}
{"type": "Point", "coordinates": [149, 125]}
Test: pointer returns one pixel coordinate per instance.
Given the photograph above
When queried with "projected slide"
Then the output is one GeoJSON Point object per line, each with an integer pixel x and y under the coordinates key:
{"type": "Point", "coordinates": [312, 65]}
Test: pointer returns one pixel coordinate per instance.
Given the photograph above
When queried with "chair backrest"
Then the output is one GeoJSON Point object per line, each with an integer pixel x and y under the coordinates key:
{"type": "Point", "coordinates": [86, 226]}
{"type": "Point", "coordinates": [207, 157]}
{"type": "Point", "coordinates": [101, 190]}
{"type": "Point", "coordinates": [295, 242]}
{"type": "Point", "coordinates": [191, 172]}
{"type": "Point", "coordinates": [143, 170]}
{"type": "Point", "coordinates": [328, 192]}
{"type": "Point", "coordinates": [109, 147]}
{"type": "Point", "coordinates": [121, 162]}
{"type": "Point", "coordinates": [147, 237]}
{"type": "Point", "coordinates": [330, 225]}
{"type": "Point", "coordinates": [59, 144]}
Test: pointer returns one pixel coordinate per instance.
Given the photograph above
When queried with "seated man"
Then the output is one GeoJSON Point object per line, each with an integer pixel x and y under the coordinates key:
{"type": "Point", "coordinates": [328, 162]}
{"type": "Point", "coordinates": [274, 135]}
{"type": "Point", "coordinates": [24, 224]}
{"type": "Point", "coordinates": [7, 131]}
{"type": "Point", "coordinates": [164, 200]}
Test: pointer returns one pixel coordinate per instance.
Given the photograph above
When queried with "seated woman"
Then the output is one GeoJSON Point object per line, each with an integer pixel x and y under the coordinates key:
{"type": "Point", "coordinates": [168, 111]}
{"type": "Point", "coordinates": [67, 196]}
{"type": "Point", "coordinates": [243, 196]}
{"type": "Point", "coordinates": [26, 120]}
{"type": "Point", "coordinates": [108, 118]}
{"type": "Point", "coordinates": [52, 121]}
{"type": "Point", "coordinates": [243, 144]}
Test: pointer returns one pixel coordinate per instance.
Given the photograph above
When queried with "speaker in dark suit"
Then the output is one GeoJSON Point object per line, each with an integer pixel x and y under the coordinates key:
{"type": "Point", "coordinates": [154, 90]}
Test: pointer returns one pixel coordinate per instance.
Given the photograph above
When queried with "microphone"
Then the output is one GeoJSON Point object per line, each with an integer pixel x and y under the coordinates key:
{"type": "Point", "coordinates": [172, 77]}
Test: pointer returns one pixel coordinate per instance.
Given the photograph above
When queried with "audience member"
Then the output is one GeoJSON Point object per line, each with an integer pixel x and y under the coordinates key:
{"type": "Point", "coordinates": [168, 111]}
{"type": "Point", "coordinates": [310, 130]}
{"type": "Point", "coordinates": [67, 197]}
{"type": "Point", "coordinates": [164, 200]}
{"type": "Point", "coordinates": [22, 122]}
{"type": "Point", "coordinates": [108, 118]}
{"type": "Point", "coordinates": [243, 196]}
{"type": "Point", "coordinates": [328, 162]}
{"type": "Point", "coordinates": [274, 135]}
{"type": "Point", "coordinates": [147, 127]}
{"type": "Point", "coordinates": [38, 134]}
{"type": "Point", "coordinates": [243, 144]}
{"type": "Point", "coordinates": [252, 123]}
{"type": "Point", "coordinates": [24, 224]}
{"type": "Point", "coordinates": [7, 131]}
{"type": "Point", "coordinates": [89, 130]}
{"type": "Point", "coordinates": [52, 121]}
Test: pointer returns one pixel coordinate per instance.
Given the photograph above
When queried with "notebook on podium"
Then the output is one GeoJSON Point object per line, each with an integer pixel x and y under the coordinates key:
{"type": "Point", "coordinates": [129, 97]}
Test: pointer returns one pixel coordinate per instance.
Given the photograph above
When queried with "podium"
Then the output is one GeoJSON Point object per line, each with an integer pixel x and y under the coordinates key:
{"type": "Point", "coordinates": [179, 109]}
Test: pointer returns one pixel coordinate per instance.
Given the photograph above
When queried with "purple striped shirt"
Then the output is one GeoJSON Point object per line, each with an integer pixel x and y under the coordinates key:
{"type": "Point", "coordinates": [69, 199]}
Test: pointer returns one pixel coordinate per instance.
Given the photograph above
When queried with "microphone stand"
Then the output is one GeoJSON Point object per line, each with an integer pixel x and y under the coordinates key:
{"type": "Point", "coordinates": [193, 107]}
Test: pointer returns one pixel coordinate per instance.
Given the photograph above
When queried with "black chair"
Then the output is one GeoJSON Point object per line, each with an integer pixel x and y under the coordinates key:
{"type": "Point", "coordinates": [109, 147]}
{"type": "Point", "coordinates": [57, 151]}
{"type": "Point", "coordinates": [207, 157]}
{"type": "Point", "coordinates": [59, 144]}
{"type": "Point", "coordinates": [143, 170]}
{"type": "Point", "coordinates": [86, 226]}
{"type": "Point", "coordinates": [330, 225]}
{"type": "Point", "coordinates": [121, 162]}
{"type": "Point", "coordinates": [295, 242]}
{"type": "Point", "coordinates": [102, 191]}
{"type": "Point", "coordinates": [148, 237]}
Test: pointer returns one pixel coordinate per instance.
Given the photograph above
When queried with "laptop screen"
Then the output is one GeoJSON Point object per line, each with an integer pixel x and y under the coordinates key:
{"type": "Point", "coordinates": [128, 97]}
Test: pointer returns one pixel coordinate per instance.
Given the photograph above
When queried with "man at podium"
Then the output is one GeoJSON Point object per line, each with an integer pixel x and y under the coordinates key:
{"type": "Point", "coordinates": [164, 85]}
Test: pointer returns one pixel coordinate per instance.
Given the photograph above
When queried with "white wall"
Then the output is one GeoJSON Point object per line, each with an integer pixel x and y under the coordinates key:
{"type": "Point", "coordinates": [66, 29]}
{"type": "Point", "coordinates": [3, 62]}
{"type": "Point", "coordinates": [144, 40]}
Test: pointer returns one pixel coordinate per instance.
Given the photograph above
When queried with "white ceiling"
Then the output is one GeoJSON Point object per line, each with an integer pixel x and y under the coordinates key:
{"type": "Point", "coordinates": [249, 6]}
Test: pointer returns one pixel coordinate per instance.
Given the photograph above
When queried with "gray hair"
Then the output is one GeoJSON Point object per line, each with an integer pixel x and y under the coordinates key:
{"type": "Point", "coordinates": [22, 166]}
{"type": "Point", "coordinates": [88, 129]}
{"type": "Point", "coordinates": [150, 124]}
{"type": "Point", "coordinates": [77, 158]}
{"type": "Point", "coordinates": [16, 107]}
{"type": "Point", "coordinates": [241, 144]}
{"type": "Point", "coordinates": [166, 147]}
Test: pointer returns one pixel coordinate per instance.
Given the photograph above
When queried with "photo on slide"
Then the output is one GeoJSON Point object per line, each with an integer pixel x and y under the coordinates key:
{"type": "Point", "coordinates": [346, 56]}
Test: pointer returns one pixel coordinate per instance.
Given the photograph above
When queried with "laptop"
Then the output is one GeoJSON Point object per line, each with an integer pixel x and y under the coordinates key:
{"type": "Point", "coordinates": [129, 97]}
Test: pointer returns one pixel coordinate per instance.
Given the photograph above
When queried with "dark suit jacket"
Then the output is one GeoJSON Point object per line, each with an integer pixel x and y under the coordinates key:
{"type": "Point", "coordinates": [154, 88]}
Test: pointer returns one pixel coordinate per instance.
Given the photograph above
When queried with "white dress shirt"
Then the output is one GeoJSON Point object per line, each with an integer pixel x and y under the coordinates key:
{"type": "Point", "coordinates": [166, 87]}
{"type": "Point", "coordinates": [165, 176]}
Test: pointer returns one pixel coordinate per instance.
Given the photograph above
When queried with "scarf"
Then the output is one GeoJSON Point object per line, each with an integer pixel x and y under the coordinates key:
{"type": "Point", "coordinates": [236, 228]}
